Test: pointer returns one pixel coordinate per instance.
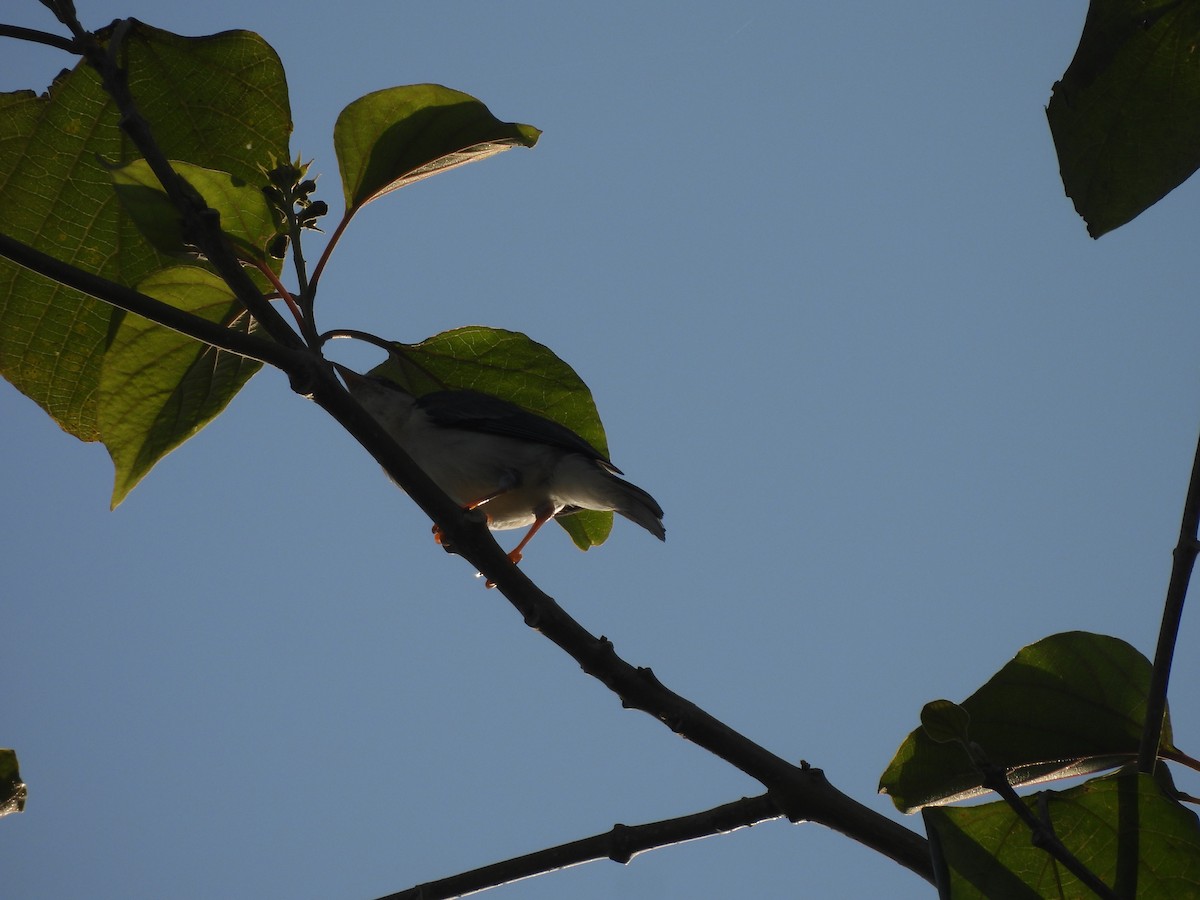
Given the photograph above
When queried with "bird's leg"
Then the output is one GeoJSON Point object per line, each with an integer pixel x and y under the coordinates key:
{"type": "Point", "coordinates": [515, 556]}
{"type": "Point", "coordinates": [543, 517]}
{"type": "Point", "coordinates": [474, 504]}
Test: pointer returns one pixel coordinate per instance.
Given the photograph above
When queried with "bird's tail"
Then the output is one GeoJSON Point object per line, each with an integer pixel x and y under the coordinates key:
{"type": "Point", "coordinates": [637, 506]}
{"type": "Point", "coordinates": [584, 483]}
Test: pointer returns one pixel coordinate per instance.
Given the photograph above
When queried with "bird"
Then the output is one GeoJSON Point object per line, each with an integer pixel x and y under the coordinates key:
{"type": "Point", "coordinates": [518, 468]}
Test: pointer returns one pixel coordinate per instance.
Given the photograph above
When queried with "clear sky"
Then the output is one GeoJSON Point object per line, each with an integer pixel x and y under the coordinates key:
{"type": "Point", "coordinates": [815, 262]}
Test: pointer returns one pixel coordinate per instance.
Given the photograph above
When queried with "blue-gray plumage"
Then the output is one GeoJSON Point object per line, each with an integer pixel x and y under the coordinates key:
{"type": "Point", "coordinates": [517, 467]}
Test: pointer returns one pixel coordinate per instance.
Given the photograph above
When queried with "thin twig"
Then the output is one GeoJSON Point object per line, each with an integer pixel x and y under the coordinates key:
{"type": "Point", "coordinates": [357, 335]}
{"type": "Point", "coordinates": [620, 844]}
{"type": "Point", "coordinates": [333, 239]}
{"type": "Point", "coordinates": [285, 295]}
{"type": "Point", "coordinates": [1183, 561]}
{"type": "Point", "coordinates": [1176, 755]}
{"type": "Point", "coordinates": [393, 351]}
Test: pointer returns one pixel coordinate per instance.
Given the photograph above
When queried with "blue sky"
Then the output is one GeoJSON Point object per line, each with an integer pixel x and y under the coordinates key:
{"type": "Point", "coordinates": [816, 265]}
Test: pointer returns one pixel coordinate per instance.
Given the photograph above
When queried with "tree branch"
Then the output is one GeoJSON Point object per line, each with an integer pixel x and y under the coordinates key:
{"type": "Point", "coordinates": [128, 299]}
{"type": "Point", "coordinates": [802, 793]}
{"type": "Point", "coordinates": [1183, 561]}
{"type": "Point", "coordinates": [620, 845]}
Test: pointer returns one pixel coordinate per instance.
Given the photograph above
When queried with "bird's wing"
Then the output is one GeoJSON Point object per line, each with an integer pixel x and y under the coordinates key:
{"type": "Point", "coordinates": [475, 411]}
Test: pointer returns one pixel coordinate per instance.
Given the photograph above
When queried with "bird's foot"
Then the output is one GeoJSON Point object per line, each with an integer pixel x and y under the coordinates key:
{"type": "Point", "coordinates": [514, 557]}
{"type": "Point", "coordinates": [441, 540]}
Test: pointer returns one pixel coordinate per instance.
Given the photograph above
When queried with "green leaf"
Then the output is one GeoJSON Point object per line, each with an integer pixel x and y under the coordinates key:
{"type": "Point", "coordinates": [587, 527]}
{"type": "Point", "coordinates": [509, 365]}
{"type": "Point", "coordinates": [219, 102]}
{"type": "Point", "coordinates": [391, 138]}
{"type": "Point", "coordinates": [1126, 114]}
{"type": "Point", "coordinates": [247, 219]}
{"type": "Point", "coordinates": [1070, 704]}
{"type": "Point", "coordinates": [1124, 827]}
{"type": "Point", "coordinates": [158, 388]}
{"type": "Point", "coordinates": [944, 722]}
{"type": "Point", "coordinates": [12, 788]}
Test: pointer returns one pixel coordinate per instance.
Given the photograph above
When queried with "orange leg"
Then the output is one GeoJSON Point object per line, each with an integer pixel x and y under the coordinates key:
{"type": "Point", "coordinates": [541, 520]}
{"type": "Point", "coordinates": [516, 555]}
{"type": "Point", "coordinates": [475, 504]}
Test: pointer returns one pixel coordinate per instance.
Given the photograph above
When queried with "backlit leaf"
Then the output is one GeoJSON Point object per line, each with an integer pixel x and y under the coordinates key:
{"type": "Point", "coordinates": [219, 102]}
{"type": "Point", "coordinates": [158, 388]}
{"type": "Point", "coordinates": [391, 138]}
{"type": "Point", "coordinates": [247, 220]}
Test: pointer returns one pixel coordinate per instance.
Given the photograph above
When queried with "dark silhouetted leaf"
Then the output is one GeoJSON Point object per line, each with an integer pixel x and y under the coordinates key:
{"type": "Point", "coordinates": [944, 721]}
{"type": "Point", "coordinates": [1124, 827]}
{"type": "Point", "coordinates": [1126, 114]}
{"type": "Point", "coordinates": [1070, 704]}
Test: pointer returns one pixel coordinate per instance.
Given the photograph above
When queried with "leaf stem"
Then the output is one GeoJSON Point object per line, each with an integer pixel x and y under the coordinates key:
{"type": "Point", "coordinates": [393, 349]}
{"type": "Point", "coordinates": [269, 274]}
{"type": "Point", "coordinates": [357, 335]}
{"type": "Point", "coordinates": [1178, 756]}
{"type": "Point", "coordinates": [333, 239]}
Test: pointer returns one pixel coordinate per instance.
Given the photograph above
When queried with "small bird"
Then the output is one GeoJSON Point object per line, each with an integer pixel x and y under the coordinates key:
{"type": "Point", "coordinates": [520, 469]}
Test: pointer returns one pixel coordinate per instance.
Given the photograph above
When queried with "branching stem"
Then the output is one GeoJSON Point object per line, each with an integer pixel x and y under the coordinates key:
{"type": "Point", "coordinates": [620, 844]}
{"type": "Point", "coordinates": [284, 294]}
